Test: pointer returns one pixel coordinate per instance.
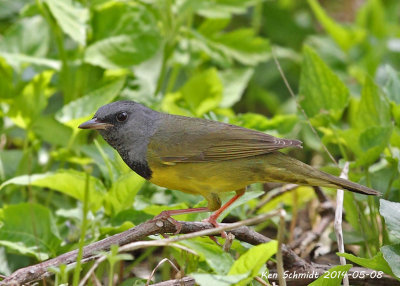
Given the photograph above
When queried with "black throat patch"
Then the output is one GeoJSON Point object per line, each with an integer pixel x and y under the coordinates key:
{"type": "Point", "coordinates": [141, 168]}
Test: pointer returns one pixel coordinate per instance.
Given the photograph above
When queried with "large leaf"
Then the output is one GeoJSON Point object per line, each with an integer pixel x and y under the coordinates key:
{"type": "Point", "coordinates": [29, 36]}
{"type": "Point", "coordinates": [219, 260]}
{"type": "Point", "coordinates": [69, 182]}
{"type": "Point", "coordinates": [391, 213]}
{"type": "Point", "coordinates": [234, 81]}
{"type": "Point", "coordinates": [122, 193]}
{"type": "Point", "coordinates": [76, 111]}
{"type": "Point", "coordinates": [373, 108]}
{"type": "Point", "coordinates": [241, 45]}
{"type": "Point", "coordinates": [252, 261]}
{"type": "Point", "coordinates": [122, 51]}
{"type": "Point", "coordinates": [202, 93]}
{"type": "Point", "coordinates": [10, 7]}
{"type": "Point", "coordinates": [322, 94]}
{"type": "Point", "coordinates": [222, 8]}
{"type": "Point", "coordinates": [16, 60]}
{"type": "Point", "coordinates": [115, 18]}
{"type": "Point", "coordinates": [27, 106]}
{"type": "Point", "coordinates": [391, 253]}
{"type": "Point", "coordinates": [344, 37]}
{"type": "Point", "coordinates": [6, 80]}
{"type": "Point", "coordinates": [377, 262]}
{"type": "Point", "coordinates": [71, 18]}
{"type": "Point", "coordinates": [217, 280]}
{"type": "Point", "coordinates": [30, 229]}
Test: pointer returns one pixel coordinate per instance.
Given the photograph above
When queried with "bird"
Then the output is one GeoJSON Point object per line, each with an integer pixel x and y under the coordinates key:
{"type": "Point", "coordinates": [203, 157]}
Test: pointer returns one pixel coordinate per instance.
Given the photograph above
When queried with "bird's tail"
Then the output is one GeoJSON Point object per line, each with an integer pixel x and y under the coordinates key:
{"type": "Point", "coordinates": [297, 172]}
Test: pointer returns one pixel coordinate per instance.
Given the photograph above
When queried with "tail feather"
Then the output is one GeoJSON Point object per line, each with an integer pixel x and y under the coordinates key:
{"type": "Point", "coordinates": [348, 185]}
{"type": "Point", "coordinates": [300, 173]}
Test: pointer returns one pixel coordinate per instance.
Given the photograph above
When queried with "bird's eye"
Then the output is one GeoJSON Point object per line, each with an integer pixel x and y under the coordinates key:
{"type": "Point", "coordinates": [122, 116]}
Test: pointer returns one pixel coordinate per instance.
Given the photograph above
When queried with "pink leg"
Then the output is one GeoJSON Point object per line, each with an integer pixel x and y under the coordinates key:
{"type": "Point", "coordinates": [166, 215]}
{"type": "Point", "coordinates": [213, 218]}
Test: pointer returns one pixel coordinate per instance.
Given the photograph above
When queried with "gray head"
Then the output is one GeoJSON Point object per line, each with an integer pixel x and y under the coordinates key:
{"type": "Point", "coordinates": [123, 124]}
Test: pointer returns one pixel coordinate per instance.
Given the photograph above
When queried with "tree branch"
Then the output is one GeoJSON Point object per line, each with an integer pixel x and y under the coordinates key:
{"type": "Point", "coordinates": [292, 262]}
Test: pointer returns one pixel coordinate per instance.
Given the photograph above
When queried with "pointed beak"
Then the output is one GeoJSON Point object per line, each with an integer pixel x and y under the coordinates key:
{"type": "Point", "coordinates": [94, 123]}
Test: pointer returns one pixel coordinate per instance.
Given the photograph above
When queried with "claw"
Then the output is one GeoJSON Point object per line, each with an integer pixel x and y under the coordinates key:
{"type": "Point", "coordinates": [165, 215]}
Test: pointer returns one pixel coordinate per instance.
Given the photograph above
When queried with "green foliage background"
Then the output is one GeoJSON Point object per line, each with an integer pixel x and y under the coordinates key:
{"type": "Point", "coordinates": [60, 60]}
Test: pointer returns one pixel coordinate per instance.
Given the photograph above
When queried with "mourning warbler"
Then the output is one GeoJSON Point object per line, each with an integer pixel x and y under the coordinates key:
{"type": "Point", "coordinates": [203, 157]}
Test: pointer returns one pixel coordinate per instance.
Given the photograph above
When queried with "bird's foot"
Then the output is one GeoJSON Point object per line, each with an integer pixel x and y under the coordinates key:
{"type": "Point", "coordinates": [213, 221]}
{"type": "Point", "coordinates": [166, 215]}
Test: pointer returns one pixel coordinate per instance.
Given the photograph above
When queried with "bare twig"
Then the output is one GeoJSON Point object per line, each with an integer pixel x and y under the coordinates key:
{"type": "Point", "coordinates": [185, 281]}
{"type": "Point", "coordinates": [279, 257]}
{"type": "Point", "coordinates": [90, 252]}
{"type": "Point", "coordinates": [158, 265]}
{"type": "Point", "coordinates": [262, 282]}
{"type": "Point", "coordinates": [338, 220]}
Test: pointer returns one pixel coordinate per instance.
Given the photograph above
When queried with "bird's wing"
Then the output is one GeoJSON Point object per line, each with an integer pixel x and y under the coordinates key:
{"type": "Point", "coordinates": [199, 140]}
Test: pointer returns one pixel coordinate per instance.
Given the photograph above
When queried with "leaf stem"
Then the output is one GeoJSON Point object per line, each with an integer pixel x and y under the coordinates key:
{"type": "Point", "coordinates": [85, 211]}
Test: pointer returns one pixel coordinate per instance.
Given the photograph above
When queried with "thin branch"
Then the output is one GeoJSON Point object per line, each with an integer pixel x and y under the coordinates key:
{"type": "Point", "coordinates": [291, 261]}
{"type": "Point", "coordinates": [279, 258]}
{"type": "Point", "coordinates": [338, 220]}
{"type": "Point", "coordinates": [158, 265]}
{"type": "Point", "coordinates": [125, 239]}
{"type": "Point", "coordinates": [185, 281]}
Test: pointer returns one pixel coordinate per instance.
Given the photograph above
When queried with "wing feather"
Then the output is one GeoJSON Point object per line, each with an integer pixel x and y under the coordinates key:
{"type": "Point", "coordinates": [198, 140]}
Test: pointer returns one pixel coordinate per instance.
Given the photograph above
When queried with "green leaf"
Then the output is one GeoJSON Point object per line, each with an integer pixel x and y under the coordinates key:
{"type": "Point", "coordinates": [52, 131]}
{"type": "Point", "coordinates": [323, 96]}
{"type": "Point", "coordinates": [130, 215]}
{"type": "Point", "coordinates": [242, 200]}
{"type": "Point", "coordinates": [30, 229]}
{"type": "Point", "coordinates": [69, 182]}
{"type": "Point", "coordinates": [122, 18]}
{"type": "Point", "coordinates": [333, 277]}
{"type": "Point", "coordinates": [219, 260]}
{"type": "Point", "coordinates": [234, 81]}
{"type": "Point", "coordinates": [27, 106]}
{"type": "Point", "coordinates": [241, 45]}
{"type": "Point", "coordinates": [74, 113]}
{"type": "Point", "coordinates": [122, 193]}
{"type": "Point", "coordinates": [203, 279]}
{"type": "Point", "coordinates": [200, 94]}
{"type": "Point", "coordinates": [71, 17]}
{"type": "Point", "coordinates": [252, 261]}
{"type": "Point", "coordinates": [157, 209]}
{"type": "Point", "coordinates": [29, 36]}
{"type": "Point", "coordinates": [123, 51]}
{"type": "Point", "coordinates": [222, 8]}
{"type": "Point", "coordinates": [377, 262]}
{"type": "Point", "coordinates": [17, 60]}
{"type": "Point", "coordinates": [9, 161]}
{"type": "Point", "coordinates": [391, 213]}
{"type": "Point", "coordinates": [373, 108]}
{"type": "Point", "coordinates": [372, 18]}
{"type": "Point", "coordinates": [344, 37]}
{"type": "Point", "coordinates": [10, 7]}
{"type": "Point", "coordinates": [6, 80]}
{"type": "Point", "coordinates": [283, 123]}
{"type": "Point", "coordinates": [391, 253]}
